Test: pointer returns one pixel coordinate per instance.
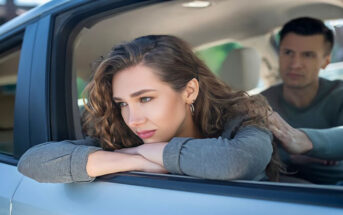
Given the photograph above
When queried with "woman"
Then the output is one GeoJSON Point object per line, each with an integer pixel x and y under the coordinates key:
{"type": "Point", "coordinates": [153, 106]}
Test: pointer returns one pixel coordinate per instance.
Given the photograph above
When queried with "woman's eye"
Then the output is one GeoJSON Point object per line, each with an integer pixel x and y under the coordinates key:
{"type": "Point", "coordinates": [121, 104]}
{"type": "Point", "coordinates": [145, 99]}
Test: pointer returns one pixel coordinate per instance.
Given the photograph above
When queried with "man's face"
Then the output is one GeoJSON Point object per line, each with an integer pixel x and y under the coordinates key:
{"type": "Point", "coordinates": [301, 58]}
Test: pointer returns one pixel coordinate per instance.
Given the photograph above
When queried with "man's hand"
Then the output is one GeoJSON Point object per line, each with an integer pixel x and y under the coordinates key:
{"type": "Point", "coordinates": [293, 140]}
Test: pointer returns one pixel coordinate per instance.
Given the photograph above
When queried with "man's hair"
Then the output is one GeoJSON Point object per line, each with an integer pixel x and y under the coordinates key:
{"type": "Point", "coordinates": [307, 26]}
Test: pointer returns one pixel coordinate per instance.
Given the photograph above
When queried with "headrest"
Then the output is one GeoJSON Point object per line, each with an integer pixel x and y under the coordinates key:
{"type": "Point", "coordinates": [241, 69]}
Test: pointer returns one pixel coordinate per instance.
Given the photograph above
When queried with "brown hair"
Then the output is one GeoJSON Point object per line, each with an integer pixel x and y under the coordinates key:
{"type": "Point", "coordinates": [175, 64]}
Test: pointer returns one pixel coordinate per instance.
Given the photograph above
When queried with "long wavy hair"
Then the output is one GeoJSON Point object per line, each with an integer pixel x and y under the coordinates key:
{"type": "Point", "coordinates": [176, 64]}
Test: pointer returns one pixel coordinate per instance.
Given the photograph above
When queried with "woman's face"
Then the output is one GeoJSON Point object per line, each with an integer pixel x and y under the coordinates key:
{"type": "Point", "coordinates": [151, 108]}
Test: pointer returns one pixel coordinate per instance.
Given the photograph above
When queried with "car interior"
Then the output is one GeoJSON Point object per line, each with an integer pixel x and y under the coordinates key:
{"type": "Point", "coordinates": [214, 31]}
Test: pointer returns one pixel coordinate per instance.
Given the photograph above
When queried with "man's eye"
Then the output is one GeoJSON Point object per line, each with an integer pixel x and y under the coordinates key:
{"type": "Point", "coordinates": [145, 99]}
{"type": "Point", "coordinates": [287, 52]}
{"type": "Point", "coordinates": [309, 54]}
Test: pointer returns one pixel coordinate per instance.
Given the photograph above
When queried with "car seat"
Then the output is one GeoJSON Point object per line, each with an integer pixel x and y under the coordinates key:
{"type": "Point", "coordinates": [241, 69]}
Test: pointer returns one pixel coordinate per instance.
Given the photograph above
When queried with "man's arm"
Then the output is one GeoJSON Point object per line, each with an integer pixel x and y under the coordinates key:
{"type": "Point", "coordinates": [327, 143]}
{"type": "Point", "coordinates": [320, 143]}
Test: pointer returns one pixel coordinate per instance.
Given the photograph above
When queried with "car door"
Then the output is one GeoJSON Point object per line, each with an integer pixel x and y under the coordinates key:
{"type": "Point", "coordinates": [23, 111]}
{"type": "Point", "coordinates": [11, 49]}
{"type": "Point", "coordinates": [46, 110]}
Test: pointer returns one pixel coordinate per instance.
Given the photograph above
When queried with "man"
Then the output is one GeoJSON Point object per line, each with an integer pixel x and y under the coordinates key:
{"type": "Point", "coordinates": [308, 110]}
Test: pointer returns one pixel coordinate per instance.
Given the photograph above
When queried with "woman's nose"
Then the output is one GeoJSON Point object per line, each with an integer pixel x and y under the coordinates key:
{"type": "Point", "coordinates": [136, 117]}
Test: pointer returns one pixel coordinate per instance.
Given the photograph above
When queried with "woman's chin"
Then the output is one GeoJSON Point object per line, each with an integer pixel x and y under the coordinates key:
{"type": "Point", "coordinates": [152, 140]}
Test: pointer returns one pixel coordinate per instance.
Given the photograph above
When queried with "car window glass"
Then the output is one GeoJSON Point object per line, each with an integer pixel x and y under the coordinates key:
{"type": "Point", "coordinates": [335, 69]}
{"type": "Point", "coordinates": [8, 77]}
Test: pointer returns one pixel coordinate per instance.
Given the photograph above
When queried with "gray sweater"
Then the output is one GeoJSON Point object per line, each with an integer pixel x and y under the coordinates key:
{"type": "Point", "coordinates": [245, 156]}
{"type": "Point", "coordinates": [322, 122]}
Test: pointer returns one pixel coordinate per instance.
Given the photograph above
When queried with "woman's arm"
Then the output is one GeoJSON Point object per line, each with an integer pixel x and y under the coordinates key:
{"type": "Point", "coordinates": [104, 162]}
{"type": "Point", "coordinates": [243, 157]}
{"type": "Point", "coordinates": [77, 161]}
{"type": "Point", "coordinates": [151, 151]}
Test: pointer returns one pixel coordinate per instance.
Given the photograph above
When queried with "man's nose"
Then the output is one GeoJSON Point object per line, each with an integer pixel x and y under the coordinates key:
{"type": "Point", "coordinates": [295, 62]}
{"type": "Point", "coordinates": [136, 117]}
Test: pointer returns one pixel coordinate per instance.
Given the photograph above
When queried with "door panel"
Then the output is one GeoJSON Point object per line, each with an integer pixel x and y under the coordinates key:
{"type": "Point", "coordinates": [9, 181]}
{"type": "Point", "coordinates": [114, 198]}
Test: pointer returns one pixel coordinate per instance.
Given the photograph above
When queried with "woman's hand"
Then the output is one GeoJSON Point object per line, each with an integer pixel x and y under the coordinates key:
{"type": "Point", "coordinates": [149, 166]}
{"type": "Point", "coordinates": [105, 162]}
{"type": "Point", "coordinates": [150, 151]}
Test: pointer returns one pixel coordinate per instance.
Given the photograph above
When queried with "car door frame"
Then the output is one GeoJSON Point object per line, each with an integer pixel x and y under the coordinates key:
{"type": "Point", "coordinates": [11, 178]}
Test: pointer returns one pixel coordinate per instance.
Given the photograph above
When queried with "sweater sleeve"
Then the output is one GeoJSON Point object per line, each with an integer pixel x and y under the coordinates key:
{"type": "Point", "coordinates": [58, 162]}
{"type": "Point", "coordinates": [327, 143]}
{"type": "Point", "coordinates": [245, 156]}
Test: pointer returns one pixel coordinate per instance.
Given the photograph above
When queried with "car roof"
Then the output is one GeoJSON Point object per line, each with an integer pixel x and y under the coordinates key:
{"type": "Point", "coordinates": [48, 8]}
{"type": "Point", "coordinates": [213, 22]}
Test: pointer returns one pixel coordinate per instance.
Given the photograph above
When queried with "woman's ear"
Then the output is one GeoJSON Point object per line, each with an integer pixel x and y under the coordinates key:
{"type": "Point", "coordinates": [191, 91]}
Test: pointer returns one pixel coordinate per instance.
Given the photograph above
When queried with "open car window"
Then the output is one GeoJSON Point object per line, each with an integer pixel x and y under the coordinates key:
{"type": "Point", "coordinates": [95, 36]}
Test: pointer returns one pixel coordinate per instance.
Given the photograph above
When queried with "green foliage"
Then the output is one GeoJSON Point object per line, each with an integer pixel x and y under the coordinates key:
{"type": "Point", "coordinates": [81, 84]}
{"type": "Point", "coordinates": [216, 55]}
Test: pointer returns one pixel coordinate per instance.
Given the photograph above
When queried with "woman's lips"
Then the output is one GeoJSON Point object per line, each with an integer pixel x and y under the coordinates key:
{"type": "Point", "coordinates": [146, 134]}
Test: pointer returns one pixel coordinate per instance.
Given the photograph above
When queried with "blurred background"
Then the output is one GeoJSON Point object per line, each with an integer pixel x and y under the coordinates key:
{"type": "Point", "coordinates": [12, 8]}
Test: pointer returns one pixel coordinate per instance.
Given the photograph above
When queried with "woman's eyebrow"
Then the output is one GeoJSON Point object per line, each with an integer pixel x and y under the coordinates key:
{"type": "Point", "coordinates": [135, 94]}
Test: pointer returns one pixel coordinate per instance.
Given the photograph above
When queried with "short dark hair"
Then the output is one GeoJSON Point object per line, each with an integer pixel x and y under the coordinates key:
{"type": "Point", "coordinates": [307, 26]}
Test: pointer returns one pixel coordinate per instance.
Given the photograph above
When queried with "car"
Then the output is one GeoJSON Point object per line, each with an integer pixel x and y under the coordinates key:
{"type": "Point", "coordinates": [46, 60]}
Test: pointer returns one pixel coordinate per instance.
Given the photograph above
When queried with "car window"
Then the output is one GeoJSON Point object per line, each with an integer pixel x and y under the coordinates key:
{"type": "Point", "coordinates": [95, 40]}
{"type": "Point", "coordinates": [335, 69]}
{"type": "Point", "coordinates": [9, 61]}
